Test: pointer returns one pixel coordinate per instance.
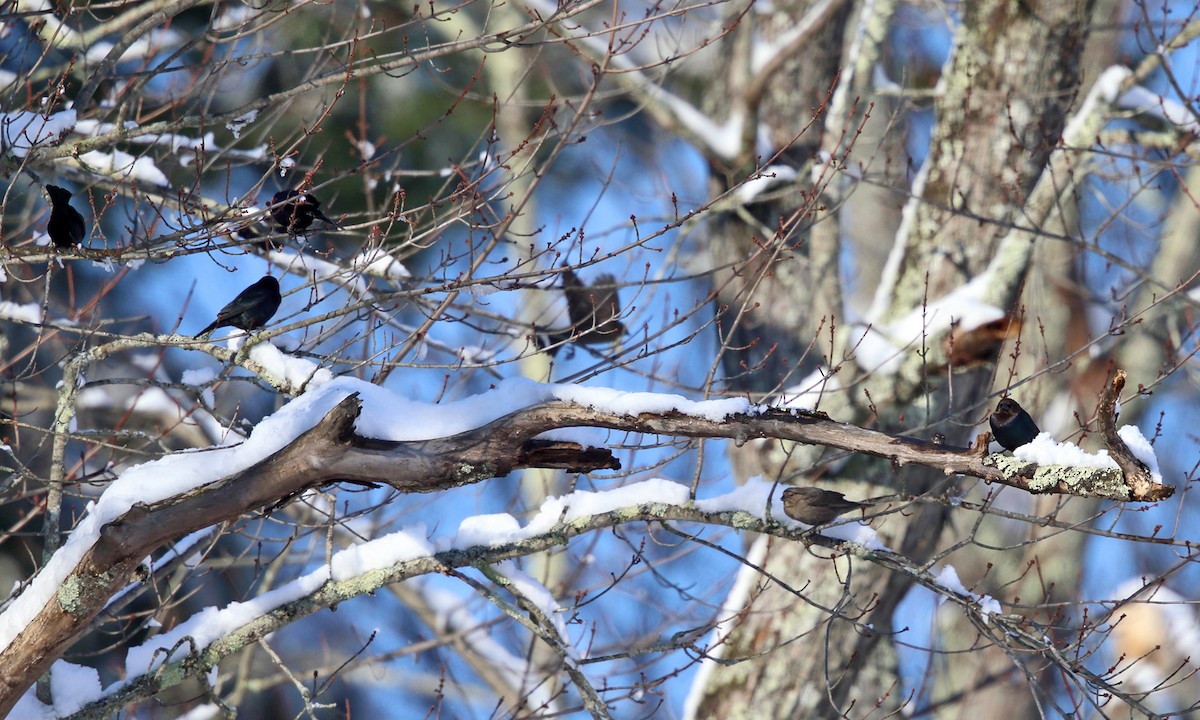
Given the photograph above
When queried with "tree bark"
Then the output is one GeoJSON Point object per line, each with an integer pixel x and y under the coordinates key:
{"type": "Point", "coordinates": [1001, 110]}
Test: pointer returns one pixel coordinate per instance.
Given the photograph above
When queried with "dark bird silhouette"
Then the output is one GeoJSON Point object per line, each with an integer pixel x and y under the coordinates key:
{"type": "Point", "coordinates": [251, 309]}
{"type": "Point", "coordinates": [248, 235]}
{"type": "Point", "coordinates": [66, 227]}
{"type": "Point", "coordinates": [814, 506]}
{"type": "Point", "coordinates": [294, 212]}
{"type": "Point", "coordinates": [1011, 425]}
{"type": "Point", "coordinates": [593, 311]}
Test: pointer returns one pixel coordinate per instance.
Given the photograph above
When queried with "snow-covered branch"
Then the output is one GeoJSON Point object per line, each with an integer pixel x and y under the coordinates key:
{"type": "Point", "coordinates": [340, 431]}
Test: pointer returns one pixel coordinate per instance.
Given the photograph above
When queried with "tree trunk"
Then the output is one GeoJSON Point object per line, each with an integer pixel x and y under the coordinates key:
{"type": "Point", "coordinates": [824, 648]}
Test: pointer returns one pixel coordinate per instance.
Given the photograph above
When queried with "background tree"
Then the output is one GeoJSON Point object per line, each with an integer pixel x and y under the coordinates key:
{"type": "Point", "coordinates": [880, 216]}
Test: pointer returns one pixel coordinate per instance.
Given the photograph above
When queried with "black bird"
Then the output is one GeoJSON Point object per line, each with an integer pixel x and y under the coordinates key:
{"type": "Point", "coordinates": [593, 311]}
{"type": "Point", "coordinates": [66, 227]}
{"type": "Point", "coordinates": [251, 309]}
{"type": "Point", "coordinates": [814, 506]}
{"type": "Point", "coordinates": [248, 235]}
{"type": "Point", "coordinates": [1011, 425]}
{"type": "Point", "coordinates": [295, 211]}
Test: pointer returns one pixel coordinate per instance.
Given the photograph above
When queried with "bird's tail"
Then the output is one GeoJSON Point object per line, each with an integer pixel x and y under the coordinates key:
{"type": "Point", "coordinates": [552, 342]}
{"type": "Point", "coordinates": [321, 216]}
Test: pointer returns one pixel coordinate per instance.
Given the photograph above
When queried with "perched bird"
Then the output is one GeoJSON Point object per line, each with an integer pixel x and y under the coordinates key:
{"type": "Point", "coordinates": [593, 311]}
{"type": "Point", "coordinates": [814, 506]}
{"type": "Point", "coordinates": [66, 227]}
{"type": "Point", "coordinates": [249, 235]}
{"type": "Point", "coordinates": [295, 211]}
{"type": "Point", "coordinates": [251, 309]}
{"type": "Point", "coordinates": [1011, 425]}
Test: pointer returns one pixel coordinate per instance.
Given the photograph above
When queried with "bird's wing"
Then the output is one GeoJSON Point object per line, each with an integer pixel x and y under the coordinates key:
{"type": "Point", "coordinates": [590, 306]}
{"type": "Point", "coordinates": [579, 302]}
{"type": "Point", "coordinates": [245, 300]}
{"type": "Point", "coordinates": [605, 299]}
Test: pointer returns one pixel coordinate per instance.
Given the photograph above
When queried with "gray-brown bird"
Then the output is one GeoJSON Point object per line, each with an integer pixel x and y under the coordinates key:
{"type": "Point", "coordinates": [814, 506]}
{"type": "Point", "coordinates": [66, 227]}
{"type": "Point", "coordinates": [593, 311]}
{"type": "Point", "coordinates": [1011, 425]}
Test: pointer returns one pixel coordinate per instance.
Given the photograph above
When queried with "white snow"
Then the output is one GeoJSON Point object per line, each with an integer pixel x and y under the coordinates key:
{"type": "Point", "coordinates": [881, 346]}
{"type": "Point", "coordinates": [203, 712]}
{"type": "Point", "coordinates": [159, 479]}
{"type": "Point", "coordinates": [1108, 85]}
{"type": "Point", "coordinates": [210, 624]}
{"type": "Point", "coordinates": [1171, 111]}
{"type": "Point", "coordinates": [539, 595]}
{"type": "Point", "coordinates": [488, 530]}
{"type": "Point", "coordinates": [1045, 451]}
{"type": "Point", "coordinates": [873, 352]}
{"type": "Point", "coordinates": [296, 372]}
{"type": "Point", "coordinates": [31, 313]}
{"type": "Point", "coordinates": [198, 376]}
{"type": "Point", "coordinates": [149, 362]}
{"type": "Point", "coordinates": [73, 686]}
{"type": "Point", "coordinates": [146, 46]}
{"type": "Point", "coordinates": [153, 401]}
{"type": "Point", "coordinates": [314, 267]}
{"type": "Point", "coordinates": [947, 578]}
{"type": "Point", "coordinates": [475, 355]}
{"type": "Point", "coordinates": [583, 503]}
{"type": "Point", "coordinates": [236, 125]}
{"type": "Point", "coordinates": [386, 415]}
{"type": "Point", "coordinates": [807, 394]}
{"type": "Point", "coordinates": [29, 708]}
{"type": "Point", "coordinates": [379, 263]}
{"type": "Point", "coordinates": [406, 544]}
{"type": "Point", "coordinates": [121, 164]}
{"type": "Point", "coordinates": [185, 145]}
{"type": "Point", "coordinates": [22, 131]}
{"type": "Point", "coordinates": [630, 403]}
{"type": "Point", "coordinates": [759, 183]}
{"type": "Point", "coordinates": [1140, 448]}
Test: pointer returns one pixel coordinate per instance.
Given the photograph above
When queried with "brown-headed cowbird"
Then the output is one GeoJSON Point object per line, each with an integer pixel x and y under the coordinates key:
{"type": "Point", "coordinates": [294, 212]}
{"type": "Point", "coordinates": [66, 227]}
{"type": "Point", "coordinates": [593, 311]}
{"type": "Point", "coordinates": [1011, 425]}
{"type": "Point", "coordinates": [251, 309]}
{"type": "Point", "coordinates": [814, 506]}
